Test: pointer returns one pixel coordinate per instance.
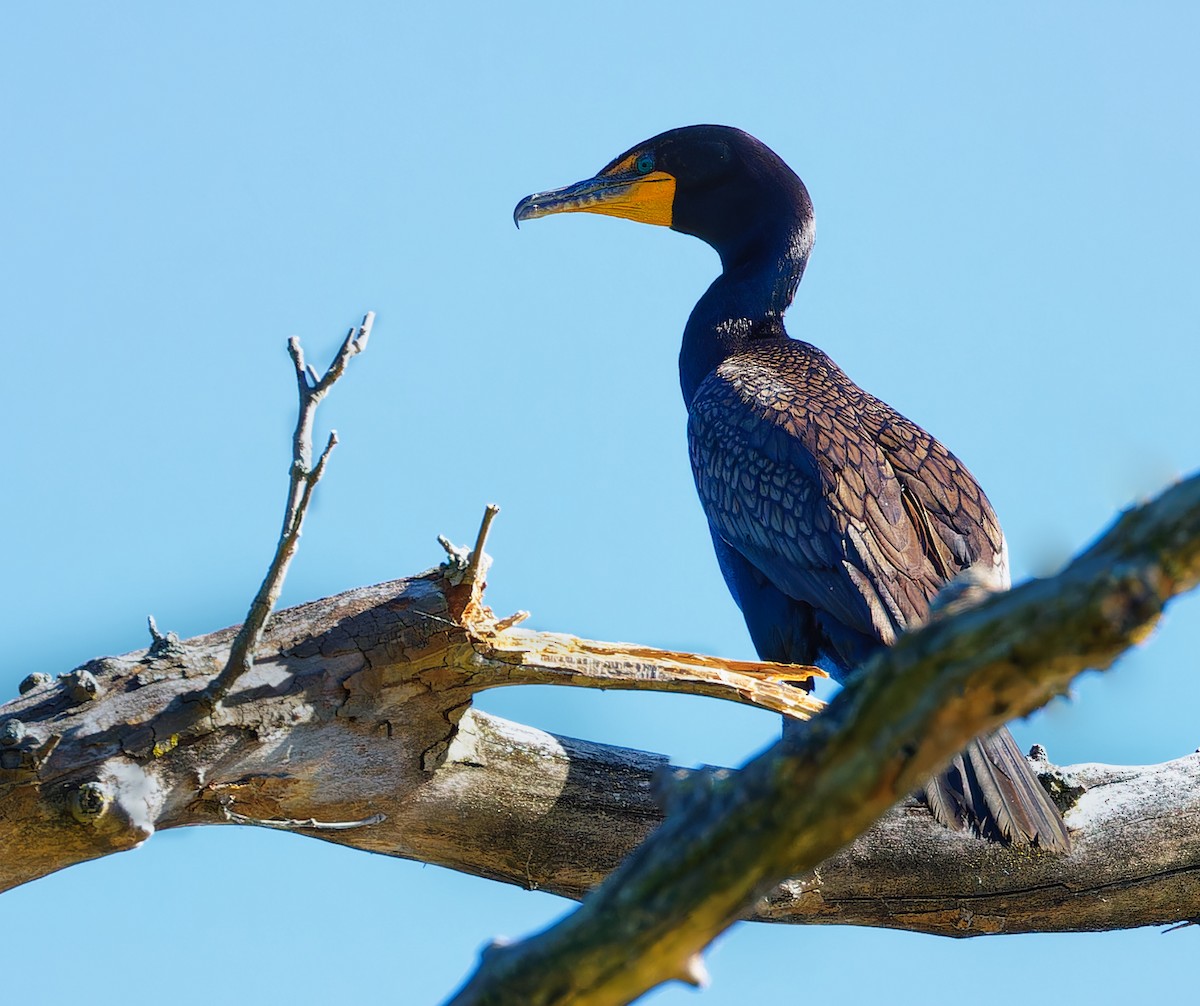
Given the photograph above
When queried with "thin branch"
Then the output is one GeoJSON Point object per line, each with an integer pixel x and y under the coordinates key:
{"type": "Point", "coordinates": [469, 567]}
{"type": "Point", "coordinates": [303, 479]}
{"type": "Point", "coordinates": [511, 621]}
{"type": "Point", "coordinates": [293, 824]}
{"type": "Point", "coordinates": [896, 723]}
{"type": "Point", "coordinates": [475, 563]}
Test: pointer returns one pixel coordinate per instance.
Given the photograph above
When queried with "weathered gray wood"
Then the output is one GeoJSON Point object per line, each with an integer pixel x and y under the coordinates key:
{"type": "Point", "coordinates": [592, 804]}
{"type": "Point", "coordinates": [364, 691]}
{"type": "Point", "coordinates": [369, 694]}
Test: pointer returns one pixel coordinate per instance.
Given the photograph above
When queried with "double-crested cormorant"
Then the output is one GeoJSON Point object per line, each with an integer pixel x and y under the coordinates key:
{"type": "Point", "coordinates": [835, 519]}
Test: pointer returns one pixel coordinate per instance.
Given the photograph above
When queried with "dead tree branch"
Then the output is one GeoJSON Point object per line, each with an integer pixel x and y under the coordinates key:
{"type": "Point", "coordinates": [368, 688]}
{"type": "Point", "coordinates": [371, 691]}
{"type": "Point", "coordinates": [370, 694]}
{"type": "Point", "coordinates": [902, 717]}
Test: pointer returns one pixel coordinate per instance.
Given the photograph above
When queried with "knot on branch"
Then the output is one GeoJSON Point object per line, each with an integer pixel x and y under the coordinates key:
{"type": "Point", "coordinates": [119, 805]}
{"type": "Point", "coordinates": [163, 646]}
{"type": "Point", "coordinates": [90, 802]}
{"type": "Point", "coordinates": [32, 681]}
{"type": "Point", "coordinates": [12, 731]}
{"type": "Point", "coordinates": [1064, 788]}
{"type": "Point", "coordinates": [15, 746]}
{"type": "Point", "coordinates": [457, 561]}
{"type": "Point", "coordinates": [81, 685]}
{"type": "Point", "coordinates": [20, 750]}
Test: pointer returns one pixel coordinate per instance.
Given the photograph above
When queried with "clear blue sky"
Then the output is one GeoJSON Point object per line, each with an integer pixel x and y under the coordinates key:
{"type": "Point", "coordinates": [1007, 216]}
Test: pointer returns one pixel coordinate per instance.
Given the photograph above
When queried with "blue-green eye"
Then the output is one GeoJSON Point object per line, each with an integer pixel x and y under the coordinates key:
{"type": "Point", "coordinates": [645, 164]}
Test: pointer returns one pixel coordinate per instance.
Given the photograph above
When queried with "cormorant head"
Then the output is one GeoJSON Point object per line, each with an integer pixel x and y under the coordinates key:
{"type": "Point", "coordinates": [715, 182]}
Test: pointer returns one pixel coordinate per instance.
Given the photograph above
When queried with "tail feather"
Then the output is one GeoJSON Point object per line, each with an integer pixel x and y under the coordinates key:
{"type": "Point", "coordinates": [989, 788]}
{"type": "Point", "coordinates": [944, 796]}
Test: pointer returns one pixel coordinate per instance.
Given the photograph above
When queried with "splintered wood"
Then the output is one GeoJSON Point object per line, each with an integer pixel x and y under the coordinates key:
{"type": "Point", "coordinates": [553, 658]}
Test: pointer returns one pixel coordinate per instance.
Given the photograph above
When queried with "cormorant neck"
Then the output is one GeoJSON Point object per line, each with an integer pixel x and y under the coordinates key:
{"type": "Point", "coordinates": [744, 304]}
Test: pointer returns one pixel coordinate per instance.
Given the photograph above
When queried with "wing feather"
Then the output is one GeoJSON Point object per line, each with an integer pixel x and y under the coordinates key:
{"type": "Point", "coordinates": [836, 521]}
{"type": "Point", "coordinates": [837, 500]}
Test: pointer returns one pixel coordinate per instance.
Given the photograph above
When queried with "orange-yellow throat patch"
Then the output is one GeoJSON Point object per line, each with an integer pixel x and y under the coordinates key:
{"type": "Point", "coordinates": [647, 199]}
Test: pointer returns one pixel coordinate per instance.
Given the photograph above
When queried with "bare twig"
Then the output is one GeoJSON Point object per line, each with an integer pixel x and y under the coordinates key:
{"type": "Point", "coordinates": [294, 824]}
{"type": "Point", "coordinates": [474, 564]}
{"type": "Point", "coordinates": [506, 623]}
{"type": "Point", "coordinates": [303, 480]}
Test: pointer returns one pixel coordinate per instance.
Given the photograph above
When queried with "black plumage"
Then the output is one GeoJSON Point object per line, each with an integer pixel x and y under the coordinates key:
{"type": "Point", "coordinates": [835, 520]}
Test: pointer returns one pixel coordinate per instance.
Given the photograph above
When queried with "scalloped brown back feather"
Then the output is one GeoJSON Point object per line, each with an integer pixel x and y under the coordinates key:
{"type": "Point", "coordinates": [837, 521]}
